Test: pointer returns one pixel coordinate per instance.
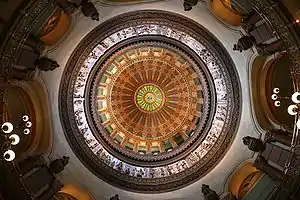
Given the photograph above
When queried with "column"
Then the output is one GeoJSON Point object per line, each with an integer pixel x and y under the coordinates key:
{"type": "Point", "coordinates": [55, 186]}
{"type": "Point", "coordinates": [30, 163]}
{"type": "Point", "coordinates": [24, 75]}
{"type": "Point", "coordinates": [252, 18]}
{"type": "Point", "coordinates": [269, 49]}
{"type": "Point", "coordinates": [35, 44]}
{"type": "Point", "coordinates": [280, 136]}
{"type": "Point", "coordinates": [261, 164]}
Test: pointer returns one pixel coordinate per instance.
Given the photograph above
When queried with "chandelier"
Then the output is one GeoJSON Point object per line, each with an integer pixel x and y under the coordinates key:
{"type": "Point", "coordinates": [10, 136]}
{"type": "Point", "coordinates": [293, 109]}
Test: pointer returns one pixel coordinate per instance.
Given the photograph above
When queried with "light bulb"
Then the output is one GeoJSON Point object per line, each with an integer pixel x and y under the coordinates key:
{"type": "Point", "coordinates": [274, 97]}
{"type": "Point", "coordinates": [26, 131]}
{"type": "Point", "coordinates": [295, 97]}
{"type": "Point", "coordinates": [9, 155]}
{"type": "Point", "coordinates": [292, 109]}
{"type": "Point", "coordinates": [28, 124]}
{"type": "Point", "coordinates": [25, 118]}
{"type": "Point", "coordinates": [276, 90]}
{"type": "Point", "coordinates": [7, 127]}
{"type": "Point", "coordinates": [15, 139]}
{"type": "Point", "coordinates": [277, 103]}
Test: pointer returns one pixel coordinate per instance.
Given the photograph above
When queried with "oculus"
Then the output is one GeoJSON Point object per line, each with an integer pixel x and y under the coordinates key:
{"type": "Point", "coordinates": [149, 98]}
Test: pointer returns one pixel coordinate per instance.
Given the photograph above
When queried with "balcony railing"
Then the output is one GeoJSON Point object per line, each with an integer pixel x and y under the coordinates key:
{"type": "Point", "coordinates": [17, 34]}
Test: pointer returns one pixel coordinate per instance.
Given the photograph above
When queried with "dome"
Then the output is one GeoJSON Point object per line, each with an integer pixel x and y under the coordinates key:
{"type": "Point", "coordinates": [150, 101]}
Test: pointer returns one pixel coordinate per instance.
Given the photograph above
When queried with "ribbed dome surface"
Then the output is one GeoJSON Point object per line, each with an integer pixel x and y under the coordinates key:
{"type": "Point", "coordinates": [149, 97]}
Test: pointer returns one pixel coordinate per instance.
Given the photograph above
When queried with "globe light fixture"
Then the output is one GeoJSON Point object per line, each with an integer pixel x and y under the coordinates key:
{"type": "Point", "coordinates": [11, 135]}
{"type": "Point", "coordinates": [276, 90]}
{"type": "Point", "coordinates": [26, 131]}
{"type": "Point", "coordinates": [25, 118]}
{"type": "Point", "coordinates": [9, 155]}
{"type": "Point", "coordinates": [15, 139]}
{"type": "Point", "coordinates": [293, 109]}
{"type": "Point", "coordinates": [7, 127]}
{"type": "Point", "coordinates": [274, 97]}
{"type": "Point", "coordinates": [296, 97]}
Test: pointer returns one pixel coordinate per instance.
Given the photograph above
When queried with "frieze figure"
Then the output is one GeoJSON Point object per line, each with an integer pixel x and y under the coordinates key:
{"type": "Point", "coordinates": [184, 165]}
{"type": "Point", "coordinates": [127, 171]}
{"type": "Point", "coordinates": [162, 172]}
{"type": "Point", "coordinates": [151, 173]}
{"type": "Point", "coordinates": [119, 166]}
{"type": "Point", "coordinates": [254, 144]}
{"type": "Point", "coordinates": [170, 170]}
{"type": "Point", "coordinates": [208, 193]}
{"type": "Point", "coordinates": [140, 173]}
{"type": "Point", "coordinates": [89, 10]}
{"type": "Point", "coordinates": [46, 64]}
{"type": "Point", "coordinates": [58, 165]}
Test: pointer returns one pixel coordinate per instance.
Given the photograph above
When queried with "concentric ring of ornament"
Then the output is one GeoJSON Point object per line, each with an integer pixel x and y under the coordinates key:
{"type": "Point", "coordinates": [157, 136]}
{"type": "Point", "coordinates": [196, 163]}
{"type": "Point", "coordinates": [149, 98]}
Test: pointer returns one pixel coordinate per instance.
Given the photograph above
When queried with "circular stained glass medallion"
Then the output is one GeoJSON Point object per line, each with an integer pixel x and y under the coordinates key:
{"type": "Point", "coordinates": [149, 98]}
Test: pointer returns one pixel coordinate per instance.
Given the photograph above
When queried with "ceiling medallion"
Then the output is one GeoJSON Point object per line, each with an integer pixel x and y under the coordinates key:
{"type": "Point", "coordinates": [150, 101]}
{"type": "Point", "coordinates": [149, 98]}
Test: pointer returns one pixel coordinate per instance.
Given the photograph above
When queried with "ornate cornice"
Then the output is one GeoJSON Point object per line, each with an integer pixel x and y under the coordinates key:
{"type": "Point", "coordinates": [17, 35]}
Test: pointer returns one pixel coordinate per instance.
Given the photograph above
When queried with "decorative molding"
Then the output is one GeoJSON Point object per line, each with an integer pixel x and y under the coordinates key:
{"type": "Point", "coordinates": [17, 35]}
{"type": "Point", "coordinates": [199, 132]}
{"type": "Point", "coordinates": [213, 55]}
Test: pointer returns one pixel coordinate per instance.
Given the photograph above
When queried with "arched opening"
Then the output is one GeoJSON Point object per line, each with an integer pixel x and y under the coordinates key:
{"type": "Point", "coordinates": [71, 192]}
{"type": "Point", "coordinates": [29, 98]}
{"type": "Point", "coordinates": [226, 11]}
{"type": "Point", "coordinates": [265, 76]}
{"type": "Point", "coordinates": [243, 179]}
{"type": "Point", "coordinates": [16, 103]}
{"type": "Point", "coordinates": [55, 26]}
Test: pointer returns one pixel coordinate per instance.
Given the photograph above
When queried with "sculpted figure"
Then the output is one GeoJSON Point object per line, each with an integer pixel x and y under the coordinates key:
{"type": "Point", "coordinates": [58, 165]}
{"type": "Point", "coordinates": [254, 144]}
{"type": "Point", "coordinates": [188, 4]}
{"type": "Point", "coordinates": [46, 64]}
{"type": "Point", "coordinates": [116, 197]}
{"type": "Point", "coordinates": [208, 193]}
{"type": "Point", "coordinates": [89, 10]}
{"type": "Point", "coordinates": [244, 43]}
